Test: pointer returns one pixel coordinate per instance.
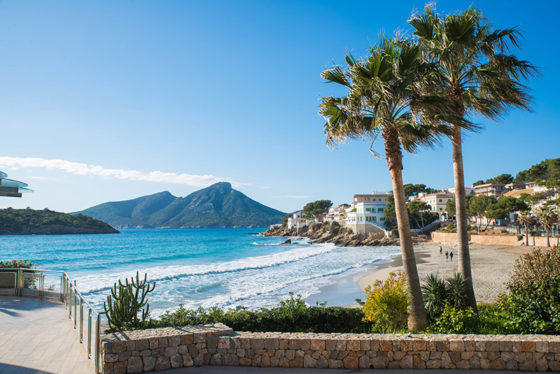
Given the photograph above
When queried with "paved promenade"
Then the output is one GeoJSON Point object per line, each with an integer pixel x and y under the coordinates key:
{"type": "Point", "coordinates": [37, 337]}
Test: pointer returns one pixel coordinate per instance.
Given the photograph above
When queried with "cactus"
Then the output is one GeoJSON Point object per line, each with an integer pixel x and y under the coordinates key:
{"type": "Point", "coordinates": [126, 301]}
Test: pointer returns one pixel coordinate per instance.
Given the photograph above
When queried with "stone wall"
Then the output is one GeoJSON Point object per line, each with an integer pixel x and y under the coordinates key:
{"type": "Point", "coordinates": [160, 349]}
{"type": "Point", "coordinates": [451, 238]}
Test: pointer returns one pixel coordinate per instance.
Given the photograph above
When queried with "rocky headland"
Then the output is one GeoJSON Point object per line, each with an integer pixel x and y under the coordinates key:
{"type": "Point", "coordinates": [332, 233]}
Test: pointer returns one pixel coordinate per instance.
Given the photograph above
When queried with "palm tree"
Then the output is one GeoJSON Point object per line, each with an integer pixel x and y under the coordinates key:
{"type": "Point", "coordinates": [548, 219]}
{"type": "Point", "coordinates": [526, 220]}
{"type": "Point", "coordinates": [475, 73]}
{"type": "Point", "coordinates": [380, 93]}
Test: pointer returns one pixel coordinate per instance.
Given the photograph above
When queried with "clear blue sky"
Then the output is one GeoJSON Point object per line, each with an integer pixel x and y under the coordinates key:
{"type": "Point", "coordinates": [227, 89]}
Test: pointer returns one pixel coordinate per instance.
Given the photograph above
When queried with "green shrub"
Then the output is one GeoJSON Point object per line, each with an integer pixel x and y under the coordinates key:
{"type": "Point", "coordinates": [437, 293]}
{"type": "Point", "coordinates": [457, 291]}
{"type": "Point", "coordinates": [533, 299]}
{"type": "Point", "coordinates": [451, 228]}
{"type": "Point", "coordinates": [15, 264]}
{"type": "Point", "coordinates": [493, 319]}
{"type": "Point", "coordinates": [434, 293]}
{"type": "Point", "coordinates": [455, 321]}
{"type": "Point", "coordinates": [387, 303]}
{"type": "Point", "coordinates": [292, 315]}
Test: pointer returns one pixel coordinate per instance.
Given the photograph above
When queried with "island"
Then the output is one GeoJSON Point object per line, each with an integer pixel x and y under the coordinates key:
{"type": "Point", "coordinates": [47, 222]}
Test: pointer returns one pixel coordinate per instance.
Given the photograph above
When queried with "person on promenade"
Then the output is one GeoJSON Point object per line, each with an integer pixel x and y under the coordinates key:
{"type": "Point", "coordinates": [451, 256]}
{"type": "Point", "coordinates": [446, 256]}
{"type": "Point", "coordinates": [440, 250]}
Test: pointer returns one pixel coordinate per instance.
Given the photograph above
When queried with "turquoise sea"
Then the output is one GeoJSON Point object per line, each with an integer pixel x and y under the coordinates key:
{"type": "Point", "coordinates": [197, 267]}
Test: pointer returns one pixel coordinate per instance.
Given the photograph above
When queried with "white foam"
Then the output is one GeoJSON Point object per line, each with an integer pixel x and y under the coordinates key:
{"type": "Point", "coordinates": [97, 282]}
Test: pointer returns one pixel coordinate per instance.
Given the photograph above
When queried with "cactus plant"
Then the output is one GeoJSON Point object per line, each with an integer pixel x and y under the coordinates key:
{"type": "Point", "coordinates": [125, 303]}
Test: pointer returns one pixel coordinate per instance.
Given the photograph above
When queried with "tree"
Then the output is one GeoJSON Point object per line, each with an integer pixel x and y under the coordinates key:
{"type": "Point", "coordinates": [478, 206]}
{"type": "Point", "coordinates": [548, 218]}
{"type": "Point", "coordinates": [450, 207]}
{"type": "Point", "coordinates": [475, 73]}
{"type": "Point", "coordinates": [311, 210]}
{"type": "Point", "coordinates": [380, 91]}
{"type": "Point", "coordinates": [501, 179]}
{"type": "Point", "coordinates": [414, 189]}
{"type": "Point", "coordinates": [527, 221]}
{"type": "Point", "coordinates": [478, 183]}
{"type": "Point", "coordinates": [420, 213]}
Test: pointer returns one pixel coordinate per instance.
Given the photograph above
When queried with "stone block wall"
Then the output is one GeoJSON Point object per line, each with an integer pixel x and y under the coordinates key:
{"type": "Point", "coordinates": [161, 349]}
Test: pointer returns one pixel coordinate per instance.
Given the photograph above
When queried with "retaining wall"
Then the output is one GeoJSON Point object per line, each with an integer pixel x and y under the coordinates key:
{"type": "Point", "coordinates": [161, 349]}
{"type": "Point", "coordinates": [451, 238]}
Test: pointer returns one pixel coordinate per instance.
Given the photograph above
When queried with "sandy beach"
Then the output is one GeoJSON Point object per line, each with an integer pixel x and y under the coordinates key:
{"type": "Point", "coordinates": [491, 265]}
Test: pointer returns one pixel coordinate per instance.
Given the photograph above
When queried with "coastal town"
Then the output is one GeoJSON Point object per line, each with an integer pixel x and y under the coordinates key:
{"type": "Point", "coordinates": [367, 212]}
{"type": "Point", "coordinates": [282, 186]}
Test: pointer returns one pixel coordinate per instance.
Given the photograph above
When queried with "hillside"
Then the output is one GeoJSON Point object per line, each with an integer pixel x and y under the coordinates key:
{"type": "Point", "coordinates": [216, 206]}
{"type": "Point", "coordinates": [29, 221]}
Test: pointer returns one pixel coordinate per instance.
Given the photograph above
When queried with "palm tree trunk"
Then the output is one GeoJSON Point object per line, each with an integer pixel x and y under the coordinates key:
{"type": "Point", "coordinates": [461, 211]}
{"type": "Point", "coordinates": [527, 236]}
{"type": "Point", "coordinates": [547, 238]}
{"type": "Point", "coordinates": [417, 318]}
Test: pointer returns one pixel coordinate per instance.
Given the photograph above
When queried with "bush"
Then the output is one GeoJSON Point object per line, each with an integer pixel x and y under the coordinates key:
{"type": "Point", "coordinates": [455, 321]}
{"type": "Point", "coordinates": [387, 303]}
{"type": "Point", "coordinates": [451, 228]}
{"type": "Point", "coordinates": [15, 264]}
{"type": "Point", "coordinates": [438, 293]}
{"type": "Point", "coordinates": [533, 300]}
{"type": "Point", "coordinates": [434, 293]}
{"type": "Point", "coordinates": [493, 319]}
{"type": "Point", "coordinates": [292, 315]}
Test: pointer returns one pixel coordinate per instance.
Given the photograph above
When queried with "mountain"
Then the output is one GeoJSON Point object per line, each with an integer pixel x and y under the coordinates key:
{"type": "Point", "coordinates": [29, 221]}
{"type": "Point", "coordinates": [216, 206]}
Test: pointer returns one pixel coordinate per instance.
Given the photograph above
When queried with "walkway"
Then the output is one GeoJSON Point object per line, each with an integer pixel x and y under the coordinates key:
{"type": "Point", "coordinates": [252, 370]}
{"type": "Point", "coordinates": [37, 337]}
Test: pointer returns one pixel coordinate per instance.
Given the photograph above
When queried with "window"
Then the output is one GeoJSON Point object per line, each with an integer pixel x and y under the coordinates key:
{"type": "Point", "coordinates": [380, 210]}
{"type": "Point", "coordinates": [368, 209]}
{"type": "Point", "coordinates": [440, 200]}
{"type": "Point", "coordinates": [382, 219]}
{"type": "Point", "coordinates": [373, 219]}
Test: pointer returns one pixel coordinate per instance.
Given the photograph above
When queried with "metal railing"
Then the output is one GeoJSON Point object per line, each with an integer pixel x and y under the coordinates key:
{"type": "Point", "coordinates": [56, 285]}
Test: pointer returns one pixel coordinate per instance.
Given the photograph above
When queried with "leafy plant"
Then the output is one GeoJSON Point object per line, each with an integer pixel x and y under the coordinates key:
{"type": "Point", "coordinates": [292, 315]}
{"type": "Point", "coordinates": [387, 303]}
{"type": "Point", "coordinates": [533, 300]}
{"type": "Point", "coordinates": [455, 321]}
{"type": "Point", "coordinates": [16, 264]}
{"type": "Point", "coordinates": [126, 301]}
{"type": "Point", "coordinates": [434, 292]}
{"type": "Point", "coordinates": [437, 293]}
{"type": "Point", "coordinates": [457, 291]}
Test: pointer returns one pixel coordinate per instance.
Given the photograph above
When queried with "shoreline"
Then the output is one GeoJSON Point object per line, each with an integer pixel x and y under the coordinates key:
{"type": "Point", "coordinates": [492, 266]}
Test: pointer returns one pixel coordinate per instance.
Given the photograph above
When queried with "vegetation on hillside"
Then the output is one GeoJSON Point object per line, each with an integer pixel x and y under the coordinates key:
{"type": "Point", "coordinates": [312, 209]}
{"type": "Point", "coordinates": [29, 221]}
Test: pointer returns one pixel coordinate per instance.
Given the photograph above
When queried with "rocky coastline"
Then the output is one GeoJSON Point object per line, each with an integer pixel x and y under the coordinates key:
{"type": "Point", "coordinates": [332, 233]}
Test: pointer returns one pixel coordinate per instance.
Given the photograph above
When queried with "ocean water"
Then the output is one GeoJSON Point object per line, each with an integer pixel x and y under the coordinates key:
{"type": "Point", "coordinates": [196, 267]}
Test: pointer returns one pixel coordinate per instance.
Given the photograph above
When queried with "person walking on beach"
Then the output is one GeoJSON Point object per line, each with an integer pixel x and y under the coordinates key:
{"type": "Point", "coordinates": [451, 256]}
{"type": "Point", "coordinates": [440, 250]}
{"type": "Point", "coordinates": [446, 256]}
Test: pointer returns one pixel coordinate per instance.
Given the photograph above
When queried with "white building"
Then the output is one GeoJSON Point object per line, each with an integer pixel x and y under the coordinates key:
{"type": "Point", "coordinates": [367, 213]}
{"type": "Point", "coordinates": [468, 190]}
{"type": "Point", "coordinates": [437, 201]}
{"type": "Point", "coordinates": [297, 220]}
{"type": "Point", "coordinates": [337, 214]}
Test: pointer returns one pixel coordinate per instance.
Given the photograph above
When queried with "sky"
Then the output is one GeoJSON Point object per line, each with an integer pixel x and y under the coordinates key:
{"type": "Point", "coordinates": [111, 100]}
